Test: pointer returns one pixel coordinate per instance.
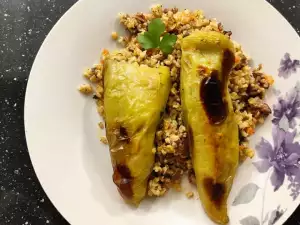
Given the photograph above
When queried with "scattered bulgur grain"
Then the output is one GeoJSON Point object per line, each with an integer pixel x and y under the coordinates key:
{"type": "Point", "coordinates": [100, 109]}
{"type": "Point", "coordinates": [189, 194]}
{"type": "Point", "coordinates": [87, 73]}
{"type": "Point", "coordinates": [94, 79]}
{"type": "Point", "coordinates": [114, 35]}
{"type": "Point", "coordinates": [85, 89]}
{"type": "Point", "coordinates": [103, 139]}
{"type": "Point", "coordinates": [101, 125]}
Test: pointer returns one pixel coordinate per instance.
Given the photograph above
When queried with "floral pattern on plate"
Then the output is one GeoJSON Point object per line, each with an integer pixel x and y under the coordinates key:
{"type": "Point", "coordinates": [275, 215]}
{"type": "Point", "coordinates": [288, 107]}
{"type": "Point", "coordinates": [288, 66]}
{"type": "Point", "coordinates": [279, 159]}
{"type": "Point", "coordinates": [282, 156]}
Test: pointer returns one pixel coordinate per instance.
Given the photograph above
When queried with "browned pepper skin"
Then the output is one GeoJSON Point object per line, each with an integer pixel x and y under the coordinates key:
{"type": "Point", "coordinates": [207, 58]}
{"type": "Point", "coordinates": [134, 97]}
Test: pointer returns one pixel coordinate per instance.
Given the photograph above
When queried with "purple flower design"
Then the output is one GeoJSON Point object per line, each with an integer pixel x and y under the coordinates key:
{"type": "Point", "coordinates": [288, 108]}
{"type": "Point", "coordinates": [276, 215]}
{"type": "Point", "coordinates": [283, 156]}
{"type": "Point", "coordinates": [288, 66]}
{"type": "Point", "coordinates": [294, 187]}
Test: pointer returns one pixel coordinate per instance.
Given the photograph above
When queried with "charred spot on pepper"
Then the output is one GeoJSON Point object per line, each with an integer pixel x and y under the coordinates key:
{"type": "Point", "coordinates": [211, 94]}
{"type": "Point", "coordinates": [190, 142]}
{"type": "Point", "coordinates": [186, 146]}
{"type": "Point", "coordinates": [215, 191]}
{"type": "Point", "coordinates": [123, 134]}
{"type": "Point", "coordinates": [122, 178]}
{"type": "Point", "coordinates": [118, 138]}
{"type": "Point", "coordinates": [228, 62]}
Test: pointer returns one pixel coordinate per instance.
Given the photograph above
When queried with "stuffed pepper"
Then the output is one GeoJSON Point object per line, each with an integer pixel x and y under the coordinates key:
{"type": "Point", "coordinates": [207, 59]}
{"type": "Point", "coordinates": [134, 100]}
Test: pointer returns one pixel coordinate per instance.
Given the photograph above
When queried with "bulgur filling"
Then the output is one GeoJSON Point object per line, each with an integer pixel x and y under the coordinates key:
{"type": "Point", "coordinates": [247, 88]}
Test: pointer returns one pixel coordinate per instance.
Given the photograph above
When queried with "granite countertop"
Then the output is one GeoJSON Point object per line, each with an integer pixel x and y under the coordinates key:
{"type": "Point", "coordinates": [24, 25]}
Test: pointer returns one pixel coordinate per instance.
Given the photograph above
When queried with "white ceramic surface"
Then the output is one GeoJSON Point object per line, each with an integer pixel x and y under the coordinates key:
{"type": "Point", "coordinates": [61, 125]}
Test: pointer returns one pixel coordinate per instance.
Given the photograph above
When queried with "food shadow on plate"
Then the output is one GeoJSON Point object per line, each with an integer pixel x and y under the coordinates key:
{"type": "Point", "coordinates": [97, 162]}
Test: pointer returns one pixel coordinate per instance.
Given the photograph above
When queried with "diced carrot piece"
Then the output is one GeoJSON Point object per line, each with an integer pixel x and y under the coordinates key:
{"type": "Point", "coordinates": [105, 52]}
{"type": "Point", "coordinates": [237, 59]}
{"type": "Point", "coordinates": [250, 131]}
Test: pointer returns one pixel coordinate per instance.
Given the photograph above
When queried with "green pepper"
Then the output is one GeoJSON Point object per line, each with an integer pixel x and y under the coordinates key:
{"type": "Point", "coordinates": [207, 59]}
{"type": "Point", "coordinates": [134, 97]}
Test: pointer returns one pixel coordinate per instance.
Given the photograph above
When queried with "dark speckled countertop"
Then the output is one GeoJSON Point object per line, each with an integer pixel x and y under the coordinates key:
{"type": "Point", "coordinates": [24, 25]}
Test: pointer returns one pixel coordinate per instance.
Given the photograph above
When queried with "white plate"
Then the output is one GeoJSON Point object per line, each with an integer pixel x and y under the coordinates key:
{"type": "Point", "coordinates": [61, 125]}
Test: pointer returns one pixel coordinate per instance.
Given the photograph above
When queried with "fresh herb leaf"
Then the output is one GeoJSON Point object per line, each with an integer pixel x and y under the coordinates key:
{"type": "Point", "coordinates": [151, 38]}
{"type": "Point", "coordinates": [156, 27]}
{"type": "Point", "coordinates": [146, 40]}
{"type": "Point", "coordinates": [167, 43]}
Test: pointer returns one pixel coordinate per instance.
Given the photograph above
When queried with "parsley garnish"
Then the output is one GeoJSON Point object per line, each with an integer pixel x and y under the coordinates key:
{"type": "Point", "coordinates": [152, 37]}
